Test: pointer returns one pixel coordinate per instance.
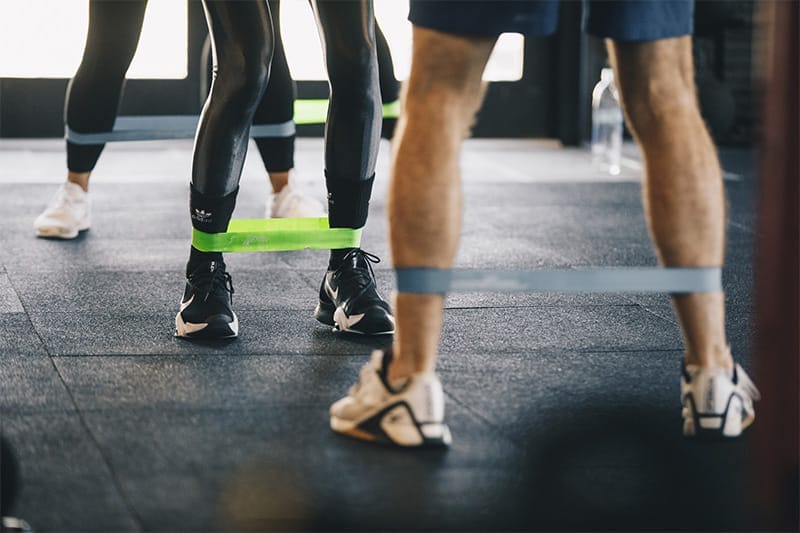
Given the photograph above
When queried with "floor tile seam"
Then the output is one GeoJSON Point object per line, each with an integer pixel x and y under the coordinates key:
{"type": "Point", "coordinates": [10, 279]}
{"type": "Point", "coordinates": [671, 319]}
{"type": "Point", "coordinates": [166, 270]}
{"type": "Point", "coordinates": [33, 411]}
{"type": "Point", "coordinates": [520, 446]}
{"type": "Point", "coordinates": [549, 354]}
{"type": "Point", "coordinates": [25, 311]}
{"type": "Point", "coordinates": [562, 351]}
{"type": "Point", "coordinates": [363, 353]}
{"type": "Point", "coordinates": [115, 480]}
{"type": "Point", "coordinates": [507, 356]}
{"type": "Point", "coordinates": [166, 309]}
{"type": "Point", "coordinates": [171, 408]}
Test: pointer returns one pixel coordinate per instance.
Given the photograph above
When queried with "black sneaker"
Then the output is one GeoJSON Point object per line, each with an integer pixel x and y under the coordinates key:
{"type": "Point", "coordinates": [206, 311]}
{"type": "Point", "coordinates": [349, 299]}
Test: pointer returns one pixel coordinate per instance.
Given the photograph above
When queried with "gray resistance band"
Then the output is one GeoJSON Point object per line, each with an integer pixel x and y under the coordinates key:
{"type": "Point", "coordinates": [161, 127]}
{"type": "Point", "coordinates": [635, 279]}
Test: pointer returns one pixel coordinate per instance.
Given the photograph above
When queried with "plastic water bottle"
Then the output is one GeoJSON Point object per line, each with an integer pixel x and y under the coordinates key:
{"type": "Point", "coordinates": [606, 124]}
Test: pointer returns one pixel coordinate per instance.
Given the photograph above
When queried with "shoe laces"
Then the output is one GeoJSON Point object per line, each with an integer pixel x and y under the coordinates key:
{"type": "Point", "coordinates": [361, 277]}
{"type": "Point", "coordinates": [211, 281]}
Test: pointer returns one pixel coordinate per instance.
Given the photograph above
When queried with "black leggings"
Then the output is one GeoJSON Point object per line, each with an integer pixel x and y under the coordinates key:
{"type": "Point", "coordinates": [94, 93]}
{"type": "Point", "coordinates": [277, 106]}
{"type": "Point", "coordinates": [241, 36]}
{"type": "Point", "coordinates": [242, 41]}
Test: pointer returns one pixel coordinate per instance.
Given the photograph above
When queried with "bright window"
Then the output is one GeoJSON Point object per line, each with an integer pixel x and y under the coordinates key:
{"type": "Point", "coordinates": [305, 60]}
{"type": "Point", "coordinates": [45, 39]}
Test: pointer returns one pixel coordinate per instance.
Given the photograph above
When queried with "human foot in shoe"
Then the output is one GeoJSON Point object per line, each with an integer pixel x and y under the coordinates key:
{"type": "Point", "coordinates": [717, 402]}
{"type": "Point", "coordinates": [291, 202]}
{"type": "Point", "coordinates": [66, 215]}
{"type": "Point", "coordinates": [408, 412]}
{"type": "Point", "coordinates": [206, 310]}
{"type": "Point", "coordinates": [349, 298]}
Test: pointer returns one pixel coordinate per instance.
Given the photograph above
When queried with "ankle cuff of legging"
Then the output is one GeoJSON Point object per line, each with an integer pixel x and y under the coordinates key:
{"type": "Point", "coordinates": [211, 214]}
{"type": "Point", "coordinates": [348, 201]}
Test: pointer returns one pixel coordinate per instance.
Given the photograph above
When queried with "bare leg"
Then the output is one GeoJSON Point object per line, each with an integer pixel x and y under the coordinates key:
{"type": "Point", "coordinates": [279, 180]}
{"type": "Point", "coordinates": [442, 95]}
{"type": "Point", "coordinates": [683, 192]}
{"type": "Point", "coordinates": [79, 178]}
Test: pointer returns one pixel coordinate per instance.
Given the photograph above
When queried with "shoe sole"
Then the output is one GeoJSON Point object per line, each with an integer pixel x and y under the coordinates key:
{"type": "Point", "coordinates": [371, 429]}
{"type": "Point", "coordinates": [338, 319]}
{"type": "Point", "coordinates": [216, 328]}
{"type": "Point", "coordinates": [56, 232]}
{"type": "Point", "coordinates": [59, 233]}
{"type": "Point", "coordinates": [352, 429]}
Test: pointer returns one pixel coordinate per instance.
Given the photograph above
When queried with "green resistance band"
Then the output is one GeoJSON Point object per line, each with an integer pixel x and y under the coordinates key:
{"type": "Point", "coordinates": [277, 235]}
{"type": "Point", "coordinates": [316, 111]}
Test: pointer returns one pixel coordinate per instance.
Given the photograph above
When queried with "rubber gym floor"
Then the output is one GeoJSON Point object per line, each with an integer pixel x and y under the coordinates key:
{"type": "Point", "coordinates": [564, 409]}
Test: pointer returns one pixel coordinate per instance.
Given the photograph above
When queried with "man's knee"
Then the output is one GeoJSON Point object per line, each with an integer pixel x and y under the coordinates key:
{"type": "Point", "coordinates": [656, 80]}
{"type": "Point", "coordinates": [446, 74]}
{"type": "Point", "coordinates": [656, 105]}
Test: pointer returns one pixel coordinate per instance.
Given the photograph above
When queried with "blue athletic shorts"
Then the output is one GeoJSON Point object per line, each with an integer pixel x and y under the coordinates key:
{"type": "Point", "coordinates": [621, 20]}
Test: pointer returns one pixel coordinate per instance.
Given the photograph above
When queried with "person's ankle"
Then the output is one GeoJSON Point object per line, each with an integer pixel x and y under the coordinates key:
{"type": "Point", "coordinates": [81, 179]}
{"type": "Point", "coordinates": [714, 357]}
{"type": "Point", "coordinates": [400, 368]}
{"type": "Point", "coordinates": [279, 181]}
{"type": "Point", "coordinates": [397, 374]}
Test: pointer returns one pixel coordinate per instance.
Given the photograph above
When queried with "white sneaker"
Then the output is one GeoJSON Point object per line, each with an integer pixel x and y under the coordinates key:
{"type": "Point", "coordinates": [409, 415]}
{"type": "Point", "coordinates": [293, 203]}
{"type": "Point", "coordinates": [716, 402]}
{"type": "Point", "coordinates": [9, 524]}
{"type": "Point", "coordinates": [66, 215]}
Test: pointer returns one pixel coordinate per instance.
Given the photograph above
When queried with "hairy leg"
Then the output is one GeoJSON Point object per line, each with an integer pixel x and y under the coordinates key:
{"type": "Point", "coordinates": [683, 193]}
{"type": "Point", "coordinates": [440, 99]}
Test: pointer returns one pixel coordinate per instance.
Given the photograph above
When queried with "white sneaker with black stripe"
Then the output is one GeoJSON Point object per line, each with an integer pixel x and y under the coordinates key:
{"type": "Point", "coordinates": [717, 402]}
{"type": "Point", "coordinates": [408, 414]}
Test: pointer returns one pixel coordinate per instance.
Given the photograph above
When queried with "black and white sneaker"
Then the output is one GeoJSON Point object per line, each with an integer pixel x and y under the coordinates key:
{"type": "Point", "coordinates": [717, 403]}
{"type": "Point", "coordinates": [349, 299]}
{"type": "Point", "coordinates": [407, 414]}
{"type": "Point", "coordinates": [206, 307]}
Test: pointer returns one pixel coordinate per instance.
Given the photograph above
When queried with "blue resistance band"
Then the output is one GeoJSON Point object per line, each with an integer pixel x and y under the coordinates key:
{"type": "Point", "coordinates": [635, 279]}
